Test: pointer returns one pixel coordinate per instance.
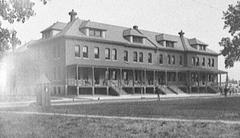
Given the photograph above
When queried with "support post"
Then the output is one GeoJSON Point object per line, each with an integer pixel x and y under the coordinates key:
{"type": "Point", "coordinates": [154, 82]}
{"type": "Point", "coordinates": [166, 81]}
{"type": "Point", "coordinates": [220, 80]}
{"type": "Point", "coordinates": [226, 79]}
{"type": "Point", "coordinates": [77, 81]}
{"type": "Point", "coordinates": [93, 81]}
{"type": "Point", "coordinates": [120, 83]}
{"type": "Point", "coordinates": [177, 76]}
{"type": "Point", "coordinates": [206, 83]}
{"type": "Point", "coordinates": [133, 81]}
{"type": "Point", "coordinates": [145, 81]}
{"type": "Point", "coordinates": [66, 82]}
{"type": "Point", "coordinates": [107, 79]}
{"type": "Point", "coordinates": [198, 81]}
{"type": "Point", "coordinates": [190, 81]}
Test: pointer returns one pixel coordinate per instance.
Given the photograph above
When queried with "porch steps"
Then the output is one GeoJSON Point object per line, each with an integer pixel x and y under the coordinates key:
{"type": "Point", "coordinates": [116, 88]}
{"type": "Point", "coordinates": [176, 89]}
{"type": "Point", "coordinates": [166, 90]}
{"type": "Point", "coordinates": [119, 91]}
{"type": "Point", "coordinates": [211, 89]}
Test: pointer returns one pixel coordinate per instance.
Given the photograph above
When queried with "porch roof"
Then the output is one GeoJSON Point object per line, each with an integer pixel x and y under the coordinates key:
{"type": "Point", "coordinates": [126, 65]}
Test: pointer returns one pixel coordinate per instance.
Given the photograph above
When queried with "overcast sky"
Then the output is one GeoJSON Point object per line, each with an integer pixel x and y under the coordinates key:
{"type": "Point", "coordinates": [197, 18]}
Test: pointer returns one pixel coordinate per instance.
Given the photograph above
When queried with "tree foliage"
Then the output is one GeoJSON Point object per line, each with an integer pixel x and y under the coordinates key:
{"type": "Point", "coordinates": [13, 11]}
{"type": "Point", "coordinates": [231, 45]}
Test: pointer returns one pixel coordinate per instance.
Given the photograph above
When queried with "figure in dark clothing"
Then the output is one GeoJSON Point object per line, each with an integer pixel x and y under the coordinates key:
{"type": "Point", "coordinates": [157, 92]}
{"type": "Point", "coordinates": [225, 91]}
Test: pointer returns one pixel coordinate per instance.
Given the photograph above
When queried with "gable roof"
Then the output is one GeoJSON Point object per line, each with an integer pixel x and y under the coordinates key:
{"type": "Point", "coordinates": [115, 34]}
{"type": "Point", "coordinates": [195, 41]}
{"type": "Point", "coordinates": [133, 32]}
{"type": "Point", "coordinates": [56, 26]}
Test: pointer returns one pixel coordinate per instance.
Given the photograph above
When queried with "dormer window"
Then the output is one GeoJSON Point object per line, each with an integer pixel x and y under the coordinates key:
{"type": "Point", "coordinates": [202, 47]}
{"type": "Point", "coordinates": [95, 32]}
{"type": "Point", "coordinates": [169, 44]}
{"type": "Point", "coordinates": [137, 39]}
{"type": "Point", "coordinates": [197, 44]}
{"type": "Point", "coordinates": [166, 40]}
{"type": "Point", "coordinates": [134, 35]}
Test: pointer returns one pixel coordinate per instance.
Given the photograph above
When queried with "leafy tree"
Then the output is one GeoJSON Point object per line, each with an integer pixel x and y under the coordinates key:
{"type": "Point", "coordinates": [231, 45]}
{"type": "Point", "coordinates": [13, 11]}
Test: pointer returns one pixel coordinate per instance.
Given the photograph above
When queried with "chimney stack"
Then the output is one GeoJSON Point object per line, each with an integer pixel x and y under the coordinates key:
{"type": "Point", "coordinates": [72, 15]}
{"type": "Point", "coordinates": [135, 27]}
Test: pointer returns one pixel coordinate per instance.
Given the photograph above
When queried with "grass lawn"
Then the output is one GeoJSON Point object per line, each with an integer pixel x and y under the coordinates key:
{"type": "Point", "coordinates": [58, 126]}
{"type": "Point", "coordinates": [37, 126]}
{"type": "Point", "coordinates": [212, 108]}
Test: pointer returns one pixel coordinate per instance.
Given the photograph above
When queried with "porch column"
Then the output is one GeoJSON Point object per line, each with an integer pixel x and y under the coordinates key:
{"type": "Point", "coordinates": [77, 81]}
{"type": "Point", "coordinates": [133, 81]}
{"type": "Point", "coordinates": [154, 84]}
{"type": "Point", "coordinates": [107, 75]}
{"type": "Point", "coordinates": [66, 83]}
{"type": "Point", "coordinates": [220, 79]}
{"type": "Point", "coordinates": [120, 84]}
{"type": "Point", "coordinates": [226, 79]}
{"type": "Point", "coordinates": [198, 81]}
{"type": "Point", "coordinates": [190, 81]}
{"type": "Point", "coordinates": [206, 82]}
{"type": "Point", "coordinates": [93, 81]}
{"type": "Point", "coordinates": [166, 81]}
{"type": "Point", "coordinates": [145, 81]}
{"type": "Point", "coordinates": [177, 76]}
{"type": "Point", "coordinates": [142, 81]}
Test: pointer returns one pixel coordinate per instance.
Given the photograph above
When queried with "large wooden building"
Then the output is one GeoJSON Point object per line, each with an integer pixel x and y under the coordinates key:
{"type": "Point", "coordinates": [86, 57]}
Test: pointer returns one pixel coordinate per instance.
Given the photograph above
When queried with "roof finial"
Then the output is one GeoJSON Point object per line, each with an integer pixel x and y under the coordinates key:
{"type": "Point", "coordinates": [181, 33]}
{"type": "Point", "coordinates": [72, 15]}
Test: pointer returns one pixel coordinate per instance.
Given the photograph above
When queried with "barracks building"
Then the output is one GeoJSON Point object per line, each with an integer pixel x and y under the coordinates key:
{"type": "Point", "coordinates": [83, 57]}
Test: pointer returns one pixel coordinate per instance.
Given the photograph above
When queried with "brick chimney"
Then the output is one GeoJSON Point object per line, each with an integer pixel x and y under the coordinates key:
{"type": "Point", "coordinates": [72, 15]}
{"type": "Point", "coordinates": [135, 27]}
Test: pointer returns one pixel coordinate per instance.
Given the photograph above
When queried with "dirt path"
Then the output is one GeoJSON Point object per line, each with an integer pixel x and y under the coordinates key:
{"type": "Point", "coordinates": [123, 117]}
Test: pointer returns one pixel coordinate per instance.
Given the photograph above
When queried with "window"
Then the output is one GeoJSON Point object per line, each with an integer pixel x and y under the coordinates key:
{"type": "Point", "coordinates": [137, 39]}
{"type": "Point", "coordinates": [160, 59]}
{"type": "Point", "coordinates": [193, 61]}
{"type": "Point", "coordinates": [149, 57]}
{"type": "Point", "coordinates": [169, 59]}
{"type": "Point", "coordinates": [107, 53]}
{"type": "Point", "coordinates": [197, 63]}
{"type": "Point", "coordinates": [85, 52]}
{"type": "Point", "coordinates": [169, 44]}
{"type": "Point", "coordinates": [135, 56]}
{"type": "Point", "coordinates": [173, 59]}
{"type": "Point", "coordinates": [96, 52]}
{"type": "Point", "coordinates": [125, 55]}
{"type": "Point", "coordinates": [141, 57]}
{"type": "Point", "coordinates": [181, 60]}
{"type": "Point", "coordinates": [209, 62]}
{"type": "Point", "coordinates": [114, 54]}
{"type": "Point", "coordinates": [212, 62]}
{"type": "Point", "coordinates": [77, 51]}
{"type": "Point", "coordinates": [203, 61]}
{"type": "Point", "coordinates": [95, 32]}
{"type": "Point", "coordinates": [204, 48]}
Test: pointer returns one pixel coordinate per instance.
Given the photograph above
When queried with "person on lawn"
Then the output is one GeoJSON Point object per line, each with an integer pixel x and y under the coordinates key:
{"type": "Point", "coordinates": [225, 91]}
{"type": "Point", "coordinates": [157, 90]}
